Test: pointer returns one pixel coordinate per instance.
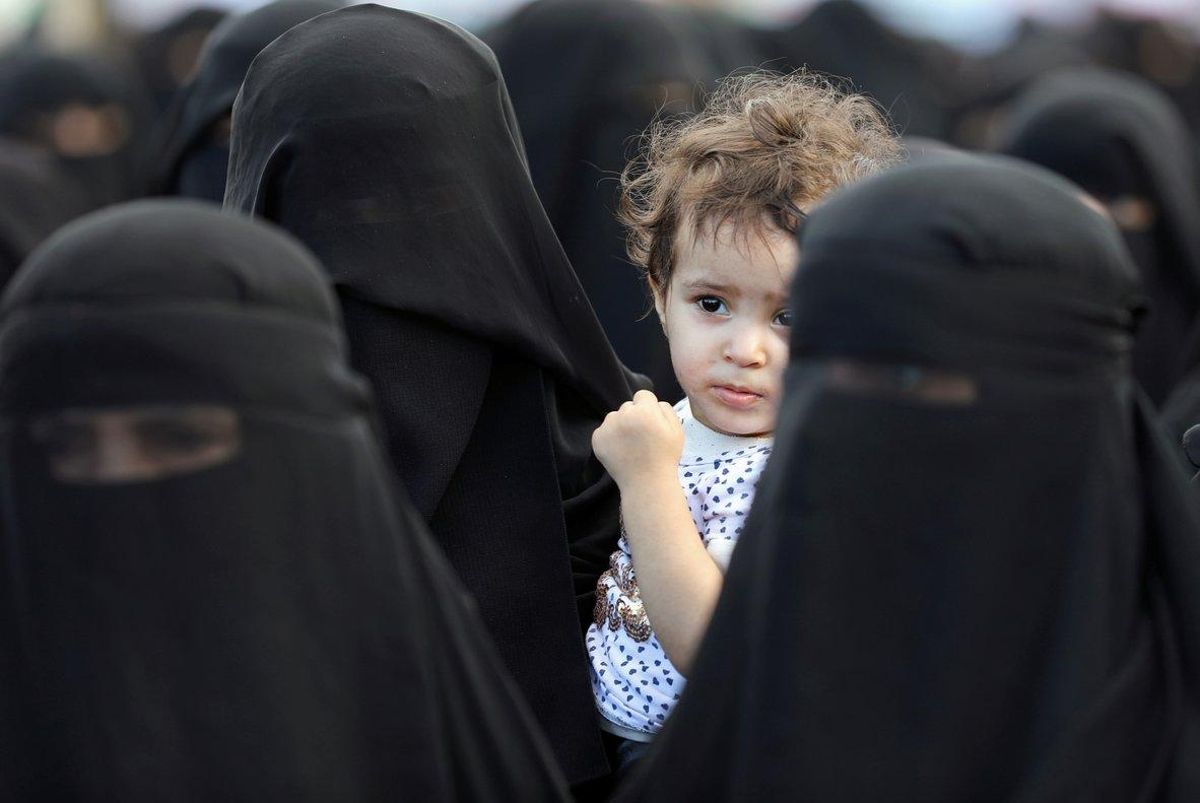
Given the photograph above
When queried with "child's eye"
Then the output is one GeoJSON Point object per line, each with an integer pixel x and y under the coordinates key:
{"type": "Point", "coordinates": [783, 318]}
{"type": "Point", "coordinates": [712, 305]}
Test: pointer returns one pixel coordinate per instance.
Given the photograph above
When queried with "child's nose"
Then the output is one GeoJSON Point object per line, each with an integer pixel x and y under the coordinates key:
{"type": "Point", "coordinates": [747, 347]}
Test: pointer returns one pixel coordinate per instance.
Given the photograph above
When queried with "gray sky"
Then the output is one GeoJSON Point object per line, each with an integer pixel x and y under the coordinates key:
{"type": "Point", "coordinates": [973, 23]}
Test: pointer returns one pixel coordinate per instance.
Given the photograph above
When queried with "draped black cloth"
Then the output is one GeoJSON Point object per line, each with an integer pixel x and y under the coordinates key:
{"type": "Point", "coordinates": [275, 627]}
{"type": "Point", "coordinates": [36, 86]}
{"type": "Point", "coordinates": [386, 142]}
{"type": "Point", "coordinates": [972, 571]}
{"type": "Point", "coordinates": [847, 40]}
{"type": "Point", "coordinates": [36, 198]}
{"type": "Point", "coordinates": [587, 77]}
{"type": "Point", "coordinates": [1116, 135]}
{"type": "Point", "coordinates": [194, 145]}
{"type": "Point", "coordinates": [727, 44]}
{"type": "Point", "coordinates": [167, 56]}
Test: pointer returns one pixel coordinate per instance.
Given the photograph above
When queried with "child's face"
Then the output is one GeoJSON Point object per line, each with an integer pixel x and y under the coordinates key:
{"type": "Point", "coordinates": [725, 315]}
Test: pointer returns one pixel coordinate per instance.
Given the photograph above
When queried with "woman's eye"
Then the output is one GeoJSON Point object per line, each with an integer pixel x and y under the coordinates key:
{"type": "Point", "coordinates": [172, 436]}
{"type": "Point", "coordinates": [783, 318]}
{"type": "Point", "coordinates": [711, 304]}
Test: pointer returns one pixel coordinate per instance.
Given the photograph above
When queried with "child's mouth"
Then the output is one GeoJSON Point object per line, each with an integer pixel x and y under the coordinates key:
{"type": "Point", "coordinates": [735, 396]}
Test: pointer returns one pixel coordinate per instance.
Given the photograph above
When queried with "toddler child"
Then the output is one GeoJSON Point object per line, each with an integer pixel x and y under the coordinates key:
{"type": "Point", "coordinates": [711, 211]}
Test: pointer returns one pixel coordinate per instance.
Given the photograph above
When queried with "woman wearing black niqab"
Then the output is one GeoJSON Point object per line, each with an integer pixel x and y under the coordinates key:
{"type": "Point", "coordinates": [587, 77]}
{"type": "Point", "coordinates": [1120, 139]}
{"type": "Point", "coordinates": [972, 571]}
{"type": "Point", "coordinates": [194, 144]}
{"type": "Point", "coordinates": [89, 114]}
{"type": "Point", "coordinates": [210, 589]}
{"type": "Point", "coordinates": [386, 142]}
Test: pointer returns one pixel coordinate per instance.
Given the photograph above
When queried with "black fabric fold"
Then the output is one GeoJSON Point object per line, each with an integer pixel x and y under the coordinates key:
{"type": "Point", "coordinates": [586, 77]}
{"type": "Point", "coordinates": [36, 198]}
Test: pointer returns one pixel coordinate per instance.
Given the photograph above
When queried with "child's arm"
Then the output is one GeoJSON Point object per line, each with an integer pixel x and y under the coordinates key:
{"type": "Point", "coordinates": [640, 445]}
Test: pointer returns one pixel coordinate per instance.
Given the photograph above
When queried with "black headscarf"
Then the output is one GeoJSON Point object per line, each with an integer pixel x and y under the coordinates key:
{"type": "Point", "coordinates": [194, 149]}
{"type": "Point", "coordinates": [36, 86]}
{"type": "Point", "coordinates": [35, 200]}
{"type": "Point", "coordinates": [275, 627]}
{"type": "Point", "coordinates": [1116, 135]}
{"type": "Point", "coordinates": [386, 142]}
{"type": "Point", "coordinates": [586, 77]}
{"type": "Point", "coordinates": [972, 571]}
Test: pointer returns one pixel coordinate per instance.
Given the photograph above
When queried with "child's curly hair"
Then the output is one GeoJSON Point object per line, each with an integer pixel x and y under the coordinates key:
{"type": "Point", "coordinates": [766, 146]}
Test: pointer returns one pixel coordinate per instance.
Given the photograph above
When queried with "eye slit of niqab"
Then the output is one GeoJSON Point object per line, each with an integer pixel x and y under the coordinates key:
{"type": "Point", "coordinates": [108, 446]}
{"type": "Point", "coordinates": [81, 130]}
{"type": "Point", "coordinates": [905, 382]}
{"type": "Point", "coordinates": [1132, 213]}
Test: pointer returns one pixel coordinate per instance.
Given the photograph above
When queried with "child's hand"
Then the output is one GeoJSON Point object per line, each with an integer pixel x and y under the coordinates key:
{"type": "Point", "coordinates": [640, 441]}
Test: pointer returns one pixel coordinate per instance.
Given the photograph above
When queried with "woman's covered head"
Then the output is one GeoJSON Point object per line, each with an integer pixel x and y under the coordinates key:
{"type": "Point", "coordinates": [1002, 253]}
{"type": "Point", "coordinates": [180, 308]}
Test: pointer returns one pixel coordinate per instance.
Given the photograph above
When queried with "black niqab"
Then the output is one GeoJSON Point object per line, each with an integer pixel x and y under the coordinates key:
{"type": "Point", "coordinates": [275, 627]}
{"type": "Point", "coordinates": [1116, 135]}
{"type": "Point", "coordinates": [386, 142]}
{"type": "Point", "coordinates": [985, 594]}
{"type": "Point", "coordinates": [194, 149]}
{"type": "Point", "coordinates": [587, 77]}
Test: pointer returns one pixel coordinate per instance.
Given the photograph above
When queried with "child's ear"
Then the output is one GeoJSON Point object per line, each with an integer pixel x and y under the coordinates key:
{"type": "Point", "coordinates": [660, 303]}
